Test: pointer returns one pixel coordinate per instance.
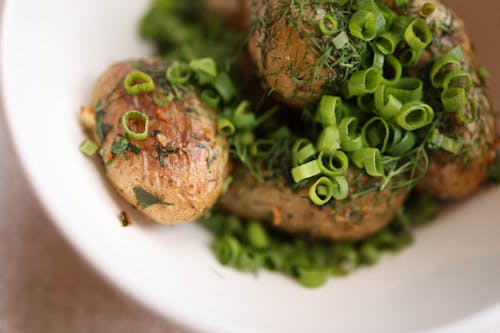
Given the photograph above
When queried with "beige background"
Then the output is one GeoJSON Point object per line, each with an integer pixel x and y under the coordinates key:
{"type": "Point", "coordinates": [46, 287]}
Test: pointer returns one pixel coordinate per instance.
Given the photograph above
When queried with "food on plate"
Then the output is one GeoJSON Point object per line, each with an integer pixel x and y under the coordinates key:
{"type": "Point", "coordinates": [372, 112]}
{"type": "Point", "coordinates": [158, 140]}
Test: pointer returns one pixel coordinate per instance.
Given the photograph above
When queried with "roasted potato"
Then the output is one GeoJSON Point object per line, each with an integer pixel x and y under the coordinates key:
{"type": "Point", "coordinates": [176, 174]}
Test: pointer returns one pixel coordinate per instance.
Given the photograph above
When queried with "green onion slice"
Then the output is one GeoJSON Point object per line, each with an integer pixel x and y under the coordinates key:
{"type": "Point", "coordinates": [340, 187]}
{"type": "Point", "coordinates": [321, 191]}
{"type": "Point", "coordinates": [306, 170]}
{"type": "Point", "coordinates": [458, 79]}
{"type": "Point", "coordinates": [137, 115]}
{"type": "Point", "coordinates": [333, 164]}
{"type": "Point", "coordinates": [138, 82]}
{"type": "Point", "coordinates": [442, 67]}
{"type": "Point", "coordinates": [410, 57]}
{"type": "Point", "coordinates": [224, 86]}
{"type": "Point", "coordinates": [329, 110]}
{"type": "Point", "coordinates": [257, 235]}
{"type": "Point", "coordinates": [401, 143]}
{"type": "Point", "coordinates": [350, 140]}
{"type": "Point", "coordinates": [302, 151]}
{"type": "Point", "coordinates": [340, 41]}
{"type": "Point", "coordinates": [227, 250]}
{"type": "Point", "coordinates": [406, 89]}
{"type": "Point", "coordinates": [386, 43]}
{"type": "Point", "coordinates": [375, 133]}
{"type": "Point", "coordinates": [387, 105]}
{"type": "Point", "coordinates": [366, 103]}
{"type": "Point", "coordinates": [444, 142]}
{"type": "Point", "coordinates": [225, 127]}
{"type": "Point", "coordinates": [363, 25]}
{"type": "Point", "coordinates": [392, 69]}
{"type": "Point", "coordinates": [205, 69]}
{"type": "Point", "coordinates": [427, 9]}
{"type": "Point", "coordinates": [178, 73]}
{"type": "Point", "coordinates": [328, 25]}
{"type": "Point", "coordinates": [210, 97]}
{"type": "Point", "coordinates": [370, 159]}
{"type": "Point", "coordinates": [329, 140]}
{"type": "Point", "coordinates": [312, 277]}
{"type": "Point", "coordinates": [262, 147]}
{"type": "Point", "coordinates": [414, 115]}
{"type": "Point", "coordinates": [89, 147]}
{"type": "Point", "coordinates": [164, 100]}
{"type": "Point", "coordinates": [454, 99]}
{"type": "Point", "coordinates": [364, 82]}
{"type": "Point", "coordinates": [418, 35]}
{"type": "Point", "coordinates": [473, 111]}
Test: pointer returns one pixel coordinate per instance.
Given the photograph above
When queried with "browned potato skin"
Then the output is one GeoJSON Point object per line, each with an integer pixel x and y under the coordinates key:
{"type": "Point", "coordinates": [231, 11]}
{"type": "Point", "coordinates": [285, 53]}
{"type": "Point", "coordinates": [450, 176]}
{"type": "Point", "coordinates": [349, 219]}
{"type": "Point", "coordinates": [186, 180]}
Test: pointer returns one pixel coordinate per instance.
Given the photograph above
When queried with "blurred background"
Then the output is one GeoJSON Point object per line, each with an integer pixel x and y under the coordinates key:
{"type": "Point", "coordinates": [45, 286]}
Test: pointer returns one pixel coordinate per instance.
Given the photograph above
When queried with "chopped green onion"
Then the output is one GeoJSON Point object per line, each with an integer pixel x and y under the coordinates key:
{"type": "Point", "coordinates": [224, 86]}
{"type": "Point", "coordinates": [372, 58]}
{"type": "Point", "coordinates": [250, 260]}
{"type": "Point", "coordinates": [334, 163]}
{"type": "Point", "coordinates": [427, 9]}
{"type": "Point", "coordinates": [375, 133]}
{"type": "Point", "coordinates": [366, 103]}
{"type": "Point", "coordinates": [138, 115]}
{"type": "Point", "coordinates": [210, 98]}
{"type": "Point", "coordinates": [257, 235]}
{"type": "Point", "coordinates": [302, 151]}
{"type": "Point", "coordinates": [402, 145]}
{"type": "Point", "coordinates": [458, 79]}
{"type": "Point", "coordinates": [442, 67]}
{"type": "Point", "coordinates": [349, 139]}
{"type": "Point", "coordinates": [328, 25]}
{"type": "Point", "coordinates": [484, 75]}
{"type": "Point", "coordinates": [227, 250]}
{"type": "Point", "coordinates": [444, 142]}
{"type": "Point", "coordinates": [386, 43]}
{"type": "Point", "coordinates": [178, 73]}
{"type": "Point", "coordinates": [244, 121]}
{"type": "Point", "coordinates": [329, 110]}
{"type": "Point", "coordinates": [205, 68]}
{"type": "Point", "coordinates": [363, 25]}
{"type": "Point", "coordinates": [341, 40]}
{"type": "Point", "coordinates": [410, 57]}
{"type": "Point", "coordinates": [312, 277]}
{"type": "Point", "coordinates": [89, 147]}
{"type": "Point", "coordinates": [453, 99]}
{"type": "Point", "coordinates": [387, 13]}
{"type": "Point", "coordinates": [329, 139]}
{"type": "Point", "coordinates": [406, 89]}
{"type": "Point", "coordinates": [400, 24]}
{"type": "Point", "coordinates": [392, 69]}
{"type": "Point", "coordinates": [418, 34]}
{"type": "Point", "coordinates": [414, 115]}
{"type": "Point", "coordinates": [387, 105]}
{"type": "Point", "coordinates": [306, 170]}
{"type": "Point", "coordinates": [225, 127]}
{"type": "Point", "coordinates": [401, 3]}
{"type": "Point", "coordinates": [138, 83]}
{"type": "Point", "coordinates": [340, 188]}
{"type": "Point", "coordinates": [370, 159]}
{"type": "Point", "coordinates": [321, 191]}
{"type": "Point", "coordinates": [369, 253]}
{"type": "Point", "coordinates": [473, 111]}
{"type": "Point", "coordinates": [364, 81]}
{"type": "Point", "coordinates": [165, 100]}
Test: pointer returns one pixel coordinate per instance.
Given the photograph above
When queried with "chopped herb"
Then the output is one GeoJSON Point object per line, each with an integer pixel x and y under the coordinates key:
{"type": "Point", "coordinates": [121, 146]}
{"type": "Point", "coordinates": [124, 219]}
{"type": "Point", "coordinates": [163, 152]}
{"type": "Point", "coordinates": [100, 127]}
{"type": "Point", "coordinates": [146, 199]}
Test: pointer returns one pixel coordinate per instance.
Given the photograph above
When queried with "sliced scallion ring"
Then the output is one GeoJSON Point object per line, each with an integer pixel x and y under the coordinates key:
{"type": "Point", "coordinates": [333, 164]}
{"type": "Point", "coordinates": [178, 73]}
{"type": "Point", "coordinates": [328, 25]}
{"type": "Point", "coordinates": [414, 115]}
{"type": "Point", "coordinates": [321, 191]}
{"type": "Point", "coordinates": [138, 82]}
{"type": "Point", "coordinates": [137, 115]}
{"type": "Point", "coordinates": [418, 34]}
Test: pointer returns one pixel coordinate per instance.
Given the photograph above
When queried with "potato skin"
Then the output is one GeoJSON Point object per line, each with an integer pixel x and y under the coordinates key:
{"type": "Point", "coordinates": [451, 177]}
{"type": "Point", "coordinates": [191, 178]}
{"type": "Point", "coordinates": [350, 219]}
{"type": "Point", "coordinates": [231, 11]}
{"type": "Point", "coordinates": [285, 57]}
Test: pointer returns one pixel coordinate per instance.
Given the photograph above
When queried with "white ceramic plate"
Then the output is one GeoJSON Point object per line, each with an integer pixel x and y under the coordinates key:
{"type": "Point", "coordinates": [53, 50]}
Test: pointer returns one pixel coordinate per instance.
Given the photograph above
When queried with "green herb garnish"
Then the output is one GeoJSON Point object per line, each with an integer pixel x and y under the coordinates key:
{"type": "Point", "coordinates": [146, 199]}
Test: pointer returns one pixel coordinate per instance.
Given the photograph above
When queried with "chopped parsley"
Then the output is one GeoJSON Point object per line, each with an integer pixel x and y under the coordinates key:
{"type": "Point", "coordinates": [121, 146]}
{"type": "Point", "coordinates": [146, 199]}
{"type": "Point", "coordinates": [101, 128]}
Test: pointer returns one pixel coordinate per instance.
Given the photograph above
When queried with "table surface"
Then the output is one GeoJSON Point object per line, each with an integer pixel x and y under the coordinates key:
{"type": "Point", "coordinates": [46, 287]}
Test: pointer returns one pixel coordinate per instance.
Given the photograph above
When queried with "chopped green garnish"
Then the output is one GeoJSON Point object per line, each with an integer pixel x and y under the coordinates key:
{"type": "Point", "coordinates": [146, 199]}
